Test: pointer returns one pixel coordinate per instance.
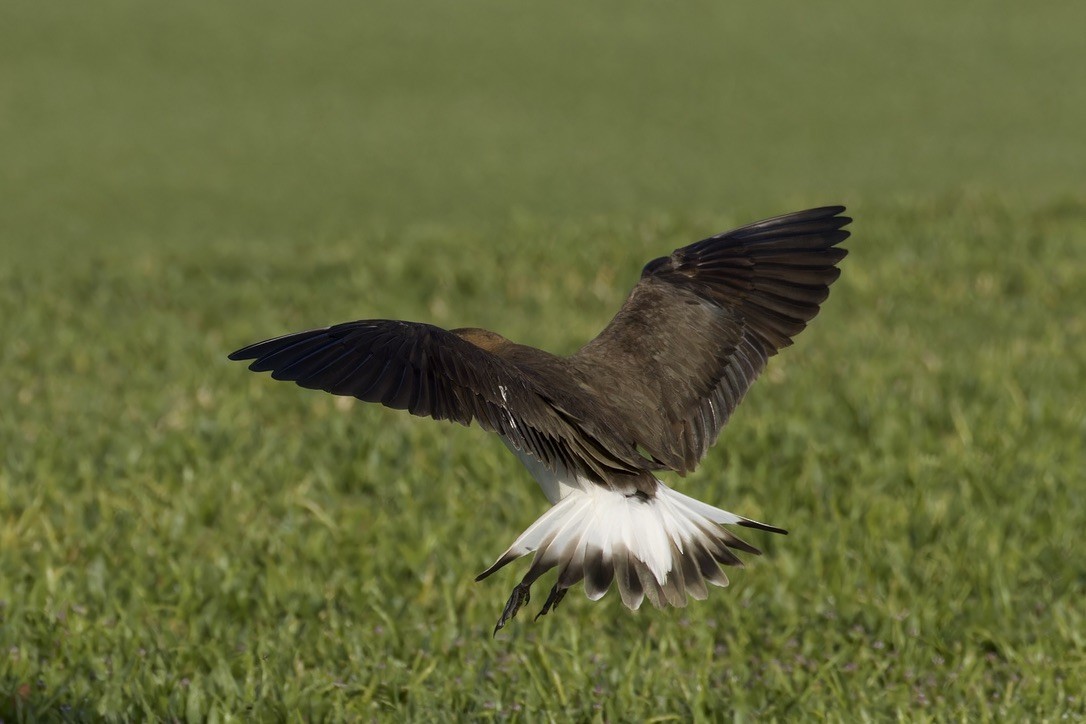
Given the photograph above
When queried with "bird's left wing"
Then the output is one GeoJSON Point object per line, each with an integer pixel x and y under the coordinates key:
{"type": "Point", "coordinates": [431, 372]}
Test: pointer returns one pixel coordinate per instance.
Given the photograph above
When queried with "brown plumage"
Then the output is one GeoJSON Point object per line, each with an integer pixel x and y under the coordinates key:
{"type": "Point", "coordinates": [651, 392]}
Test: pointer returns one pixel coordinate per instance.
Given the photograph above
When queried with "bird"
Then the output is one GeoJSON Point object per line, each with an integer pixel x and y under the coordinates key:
{"type": "Point", "coordinates": [650, 393]}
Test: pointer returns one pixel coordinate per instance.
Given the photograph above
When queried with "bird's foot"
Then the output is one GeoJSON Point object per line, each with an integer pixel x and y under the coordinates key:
{"type": "Point", "coordinates": [520, 596]}
{"type": "Point", "coordinates": [556, 596]}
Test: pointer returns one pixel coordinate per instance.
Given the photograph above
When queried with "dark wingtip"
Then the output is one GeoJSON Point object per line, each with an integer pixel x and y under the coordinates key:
{"type": "Point", "coordinates": [244, 353]}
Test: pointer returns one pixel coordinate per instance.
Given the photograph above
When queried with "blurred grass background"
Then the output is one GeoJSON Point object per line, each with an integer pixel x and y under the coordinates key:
{"type": "Point", "coordinates": [272, 119]}
{"type": "Point", "coordinates": [182, 539]}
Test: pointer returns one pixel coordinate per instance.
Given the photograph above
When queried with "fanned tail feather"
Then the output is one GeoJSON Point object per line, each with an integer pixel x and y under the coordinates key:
{"type": "Point", "coordinates": [664, 548]}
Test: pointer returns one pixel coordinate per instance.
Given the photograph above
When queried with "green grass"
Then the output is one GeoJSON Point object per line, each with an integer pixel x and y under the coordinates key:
{"type": "Point", "coordinates": [180, 536]}
{"type": "Point", "coordinates": [201, 119]}
{"type": "Point", "coordinates": [182, 539]}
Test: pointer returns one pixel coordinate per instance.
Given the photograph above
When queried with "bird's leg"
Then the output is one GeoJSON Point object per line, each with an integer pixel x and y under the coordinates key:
{"type": "Point", "coordinates": [556, 596]}
{"type": "Point", "coordinates": [521, 595]}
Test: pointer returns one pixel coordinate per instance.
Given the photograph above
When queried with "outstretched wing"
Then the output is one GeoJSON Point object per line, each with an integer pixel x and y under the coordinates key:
{"type": "Point", "coordinates": [699, 326]}
{"type": "Point", "coordinates": [430, 372]}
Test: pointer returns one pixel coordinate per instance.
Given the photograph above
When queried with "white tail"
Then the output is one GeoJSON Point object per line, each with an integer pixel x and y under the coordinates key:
{"type": "Point", "coordinates": [663, 547]}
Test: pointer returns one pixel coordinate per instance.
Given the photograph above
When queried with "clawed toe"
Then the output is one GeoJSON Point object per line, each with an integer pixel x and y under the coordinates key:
{"type": "Point", "coordinates": [520, 596]}
{"type": "Point", "coordinates": [555, 597]}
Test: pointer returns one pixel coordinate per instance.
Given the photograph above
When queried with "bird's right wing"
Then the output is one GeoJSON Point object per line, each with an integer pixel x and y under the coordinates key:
{"type": "Point", "coordinates": [700, 325]}
{"type": "Point", "coordinates": [431, 372]}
